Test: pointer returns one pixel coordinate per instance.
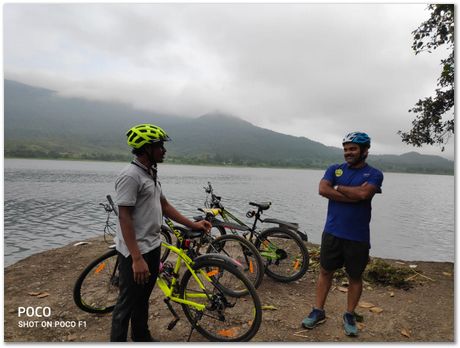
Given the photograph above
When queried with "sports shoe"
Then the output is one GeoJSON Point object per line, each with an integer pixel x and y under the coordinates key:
{"type": "Point", "coordinates": [349, 324]}
{"type": "Point", "coordinates": [316, 317]}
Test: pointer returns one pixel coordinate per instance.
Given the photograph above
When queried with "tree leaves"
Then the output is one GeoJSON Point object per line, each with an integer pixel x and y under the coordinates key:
{"type": "Point", "coordinates": [434, 120]}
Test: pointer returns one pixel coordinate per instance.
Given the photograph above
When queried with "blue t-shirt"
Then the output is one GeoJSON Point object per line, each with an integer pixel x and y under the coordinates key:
{"type": "Point", "coordinates": [351, 220]}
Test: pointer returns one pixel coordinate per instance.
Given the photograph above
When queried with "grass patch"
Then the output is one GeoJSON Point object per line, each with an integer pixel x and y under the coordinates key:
{"type": "Point", "coordinates": [377, 272]}
{"type": "Point", "coordinates": [381, 272]}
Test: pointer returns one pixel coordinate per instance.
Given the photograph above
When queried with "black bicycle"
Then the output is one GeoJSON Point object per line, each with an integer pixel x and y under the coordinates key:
{"type": "Point", "coordinates": [282, 247]}
{"type": "Point", "coordinates": [235, 247]}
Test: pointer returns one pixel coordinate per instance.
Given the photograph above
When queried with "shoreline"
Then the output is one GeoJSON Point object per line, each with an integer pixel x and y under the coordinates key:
{"type": "Point", "coordinates": [405, 317]}
{"type": "Point", "coordinates": [204, 164]}
{"type": "Point", "coordinates": [310, 245]}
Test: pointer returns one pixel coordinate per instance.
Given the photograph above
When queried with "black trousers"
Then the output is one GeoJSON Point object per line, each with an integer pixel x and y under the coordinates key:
{"type": "Point", "coordinates": [133, 300]}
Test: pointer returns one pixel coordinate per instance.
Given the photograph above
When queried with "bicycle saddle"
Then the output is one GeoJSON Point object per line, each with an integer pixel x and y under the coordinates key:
{"type": "Point", "coordinates": [191, 234]}
{"type": "Point", "coordinates": [261, 205]}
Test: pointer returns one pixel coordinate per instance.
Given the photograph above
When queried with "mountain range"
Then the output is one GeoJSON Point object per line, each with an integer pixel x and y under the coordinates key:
{"type": "Point", "coordinates": [39, 123]}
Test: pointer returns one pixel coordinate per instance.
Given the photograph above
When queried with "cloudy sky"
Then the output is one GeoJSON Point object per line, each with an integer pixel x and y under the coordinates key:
{"type": "Point", "coordinates": [313, 70]}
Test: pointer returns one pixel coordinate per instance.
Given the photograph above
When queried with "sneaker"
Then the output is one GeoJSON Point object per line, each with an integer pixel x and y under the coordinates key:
{"type": "Point", "coordinates": [349, 324]}
{"type": "Point", "coordinates": [316, 317]}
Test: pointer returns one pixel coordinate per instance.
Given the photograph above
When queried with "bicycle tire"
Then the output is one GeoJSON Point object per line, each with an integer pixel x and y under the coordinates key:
{"type": "Point", "coordinates": [96, 289]}
{"type": "Point", "coordinates": [218, 231]}
{"type": "Point", "coordinates": [226, 318]}
{"type": "Point", "coordinates": [244, 252]}
{"type": "Point", "coordinates": [292, 258]}
{"type": "Point", "coordinates": [165, 236]}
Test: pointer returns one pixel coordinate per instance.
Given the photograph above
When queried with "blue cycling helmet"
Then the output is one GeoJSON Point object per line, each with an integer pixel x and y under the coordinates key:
{"type": "Point", "coordinates": [357, 138]}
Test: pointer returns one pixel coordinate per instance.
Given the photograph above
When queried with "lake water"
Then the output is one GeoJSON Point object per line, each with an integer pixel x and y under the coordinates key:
{"type": "Point", "coordinates": [49, 204]}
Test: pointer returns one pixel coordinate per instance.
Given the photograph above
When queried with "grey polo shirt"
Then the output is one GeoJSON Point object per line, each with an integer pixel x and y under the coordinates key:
{"type": "Point", "coordinates": [135, 188]}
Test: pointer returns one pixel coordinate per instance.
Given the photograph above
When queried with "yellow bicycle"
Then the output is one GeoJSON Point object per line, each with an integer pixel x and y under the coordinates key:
{"type": "Point", "coordinates": [218, 300]}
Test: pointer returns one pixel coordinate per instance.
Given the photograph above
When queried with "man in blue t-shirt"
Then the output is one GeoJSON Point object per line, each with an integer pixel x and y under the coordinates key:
{"type": "Point", "coordinates": [349, 187]}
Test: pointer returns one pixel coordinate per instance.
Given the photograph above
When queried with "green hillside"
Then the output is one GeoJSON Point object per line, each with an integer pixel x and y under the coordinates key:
{"type": "Point", "coordinates": [41, 124]}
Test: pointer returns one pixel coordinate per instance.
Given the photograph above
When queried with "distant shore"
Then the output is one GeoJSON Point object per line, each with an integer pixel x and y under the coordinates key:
{"type": "Point", "coordinates": [224, 165]}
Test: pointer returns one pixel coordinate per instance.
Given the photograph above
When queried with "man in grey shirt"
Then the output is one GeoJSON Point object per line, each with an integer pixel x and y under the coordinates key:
{"type": "Point", "coordinates": [141, 205]}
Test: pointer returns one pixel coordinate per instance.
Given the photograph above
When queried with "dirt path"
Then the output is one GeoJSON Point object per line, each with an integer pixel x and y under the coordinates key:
{"type": "Point", "coordinates": [424, 313]}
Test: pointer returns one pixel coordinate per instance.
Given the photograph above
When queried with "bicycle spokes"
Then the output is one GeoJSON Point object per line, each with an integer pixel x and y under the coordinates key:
{"type": "Point", "coordinates": [283, 255]}
{"type": "Point", "coordinates": [96, 290]}
{"type": "Point", "coordinates": [213, 272]}
{"type": "Point", "coordinates": [100, 268]}
{"type": "Point", "coordinates": [243, 253]}
{"type": "Point", "coordinates": [271, 252]}
{"type": "Point", "coordinates": [227, 316]}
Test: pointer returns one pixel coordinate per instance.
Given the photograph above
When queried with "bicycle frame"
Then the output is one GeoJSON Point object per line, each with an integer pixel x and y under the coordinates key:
{"type": "Point", "coordinates": [206, 292]}
{"type": "Point", "coordinates": [269, 250]}
{"type": "Point", "coordinates": [269, 253]}
{"type": "Point", "coordinates": [168, 290]}
{"type": "Point", "coordinates": [227, 216]}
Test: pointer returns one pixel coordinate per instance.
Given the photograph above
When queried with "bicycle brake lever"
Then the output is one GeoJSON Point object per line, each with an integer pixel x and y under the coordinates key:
{"type": "Point", "coordinates": [107, 207]}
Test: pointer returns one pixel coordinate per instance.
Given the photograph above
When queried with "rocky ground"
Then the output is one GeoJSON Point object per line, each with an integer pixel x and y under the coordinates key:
{"type": "Point", "coordinates": [423, 313]}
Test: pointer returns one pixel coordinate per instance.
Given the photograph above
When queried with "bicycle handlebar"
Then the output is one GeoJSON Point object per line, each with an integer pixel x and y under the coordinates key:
{"type": "Point", "coordinates": [208, 189]}
{"type": "Point", "coordinates": [109, 198]}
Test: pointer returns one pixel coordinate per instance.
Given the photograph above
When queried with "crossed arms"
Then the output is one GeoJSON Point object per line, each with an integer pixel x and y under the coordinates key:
{"type": "Point", "coordinates": [347, 194]}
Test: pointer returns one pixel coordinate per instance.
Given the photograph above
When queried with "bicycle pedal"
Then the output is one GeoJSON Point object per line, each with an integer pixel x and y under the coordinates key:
{"type": "Point", "coordinates": [172, 324]}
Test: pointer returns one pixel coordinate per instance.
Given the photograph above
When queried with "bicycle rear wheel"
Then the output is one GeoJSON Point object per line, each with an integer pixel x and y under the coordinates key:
{"type": "Point", "coordinates": [226, 317]}
{"type": "Point", "coordinates": [96, 289]}
{"type": "Point", "coordinates": [242, 251]}
{"type": "Point", "coordinates": [286, 257]}
{"type": "Point", "coordinates": [165, 236]}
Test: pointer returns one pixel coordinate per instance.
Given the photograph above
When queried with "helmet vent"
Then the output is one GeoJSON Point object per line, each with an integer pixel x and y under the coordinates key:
{"type": "Point", "coordinates": [145, 134]}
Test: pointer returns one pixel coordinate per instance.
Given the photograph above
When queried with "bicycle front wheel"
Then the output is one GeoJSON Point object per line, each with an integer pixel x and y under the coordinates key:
{"type": "Point", "coordinates": [286, 256]}
{"type": "Point", "coordinates": [242, 251]}
{"type": "Point", "coordinates": [96, 289]}
{"type": "Point", "coordinates": [226, 317]}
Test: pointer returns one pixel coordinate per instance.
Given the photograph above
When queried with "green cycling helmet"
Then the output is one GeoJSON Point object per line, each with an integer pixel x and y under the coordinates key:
{"type": "Point", "coordinates": [146, 133]}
